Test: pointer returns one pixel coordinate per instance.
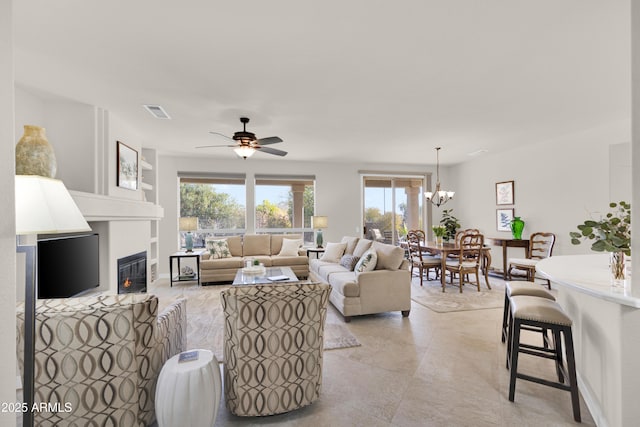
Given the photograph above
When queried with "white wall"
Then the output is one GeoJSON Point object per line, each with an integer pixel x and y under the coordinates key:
{"type": "Point", "coordinates": [70, 129]}
{"type": "Point", "coordinates": [338, 191]}
{"type": "Point", "coordinates": [7, 215]}
{"type": "Point", "coordinates": [558, 184]}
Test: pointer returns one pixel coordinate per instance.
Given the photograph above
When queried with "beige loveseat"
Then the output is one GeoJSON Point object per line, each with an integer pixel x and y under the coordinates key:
{"type": "Point", "coordinates": [386, 288]}
{"type": "Point", "coordinates": [101, 356]}
{"type": "Point", "coordinates": [266, 248]}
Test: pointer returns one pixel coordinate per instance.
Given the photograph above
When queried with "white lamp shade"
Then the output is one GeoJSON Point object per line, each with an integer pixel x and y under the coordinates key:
{"type": "Point", "coordinates": [44, 206]}
{"type": "Point", "coordinates": [318, 222]}
{"type": "Point", "coordinates": [244, 151]}
{"type": "Point", "coordinates": [189, 223]}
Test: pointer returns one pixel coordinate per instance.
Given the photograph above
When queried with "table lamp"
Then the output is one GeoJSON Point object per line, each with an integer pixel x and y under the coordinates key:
{"type": "Point", "coordinates": [318, 223]}
{"type": "Point", "coordinates": [188, 224]}
{"type": "Point", "coordinates": [43, 206]}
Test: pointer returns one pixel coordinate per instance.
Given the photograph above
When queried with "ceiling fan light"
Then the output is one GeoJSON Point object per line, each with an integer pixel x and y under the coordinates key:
{"type": "Point", "coordinates": [244, 151]}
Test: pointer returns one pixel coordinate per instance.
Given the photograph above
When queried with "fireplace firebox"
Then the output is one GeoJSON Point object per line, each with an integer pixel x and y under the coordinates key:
{"type": "Point", "coordinates": [132, 273]}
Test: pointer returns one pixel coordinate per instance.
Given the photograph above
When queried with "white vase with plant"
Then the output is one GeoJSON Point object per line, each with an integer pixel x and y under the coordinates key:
{"type": "Point", "coordinates": [611, 234]}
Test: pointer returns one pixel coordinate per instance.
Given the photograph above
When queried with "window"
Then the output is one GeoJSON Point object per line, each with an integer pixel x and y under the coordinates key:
{"type": "Point", "coordinates": [392, 206]}
{"type": "Point", "coordinates": [218, 202]}
{"type": "Point", "coordinates": [284, 205]}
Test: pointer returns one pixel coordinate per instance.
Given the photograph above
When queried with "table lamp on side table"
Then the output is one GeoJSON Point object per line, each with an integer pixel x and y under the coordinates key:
{"type": "Point", "coordinates": [43, 206]}
{"type": "Point", "coordinates": [188, 224]}
{"type": "Point", "coordinates": [318, 223]}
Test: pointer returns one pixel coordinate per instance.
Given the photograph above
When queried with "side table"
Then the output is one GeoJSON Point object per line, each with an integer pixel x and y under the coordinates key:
{"type": "Point", "coordinates": [188, 393]}
{"type": "Point", "coordinates": [316, 251]}
{"type": "Point", "coordinates": [508, 243]}
{"type": "Point", "coordinates": [180, 277]}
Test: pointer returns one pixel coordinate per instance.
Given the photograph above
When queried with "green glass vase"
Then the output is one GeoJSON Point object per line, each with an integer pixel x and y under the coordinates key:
{"type": "Point", "coordinates": [517, 225]}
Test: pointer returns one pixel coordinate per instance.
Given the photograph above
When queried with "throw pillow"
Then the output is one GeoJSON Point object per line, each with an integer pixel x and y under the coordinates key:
{"type": "Point", "coordinates": [219, 249]}
{"type": "Point", "coordinates": [389, 256]}
{"type": "Point", "coordinates": [367, 262]}
{"type": "Point", "coordinates": [290, 247]}
{"type": "Point", "coordinates": [349, 261]}
{"type": "Point", "coordinates": [361, 247]}
{"type": "Point", "coordinates": [351, 244]}
{"type": "Point", "coordinates": [333, 252]}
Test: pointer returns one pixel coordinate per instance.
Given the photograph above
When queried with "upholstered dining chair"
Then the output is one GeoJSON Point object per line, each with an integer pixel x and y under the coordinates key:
{"type": "Point", "coordinates": [540, 247]}
{"type": "Point", "coordinates": [468, 259]}
{"type": "Point", "coordinates": [273, 343]}
{"type": "Point", "coordinates": [423, 262]}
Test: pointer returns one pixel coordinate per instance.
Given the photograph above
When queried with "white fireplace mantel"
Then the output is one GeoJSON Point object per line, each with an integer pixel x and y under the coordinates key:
{"type": "Point", "coordinates": [97, 207]}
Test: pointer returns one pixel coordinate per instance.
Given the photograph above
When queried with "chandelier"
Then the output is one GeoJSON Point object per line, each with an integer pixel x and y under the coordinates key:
{"type": "Point", "coordinates": [438, 197]}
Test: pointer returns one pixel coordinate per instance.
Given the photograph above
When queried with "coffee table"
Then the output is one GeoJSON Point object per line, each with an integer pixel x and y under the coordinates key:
{"type": "Point", "coordinates": [262, 279]}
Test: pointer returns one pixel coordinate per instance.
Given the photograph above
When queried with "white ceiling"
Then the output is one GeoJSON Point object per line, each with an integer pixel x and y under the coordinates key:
{"type": "Point", "coordinates": [372, 80]}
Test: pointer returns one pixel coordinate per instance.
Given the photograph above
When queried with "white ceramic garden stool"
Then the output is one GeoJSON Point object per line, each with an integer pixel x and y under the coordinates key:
{"type": "Point", "coordinates": [188, 393]}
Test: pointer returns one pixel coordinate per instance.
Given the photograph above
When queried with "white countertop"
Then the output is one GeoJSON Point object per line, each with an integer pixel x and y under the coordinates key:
{"type": "Point", "coordinates": [588, 274]}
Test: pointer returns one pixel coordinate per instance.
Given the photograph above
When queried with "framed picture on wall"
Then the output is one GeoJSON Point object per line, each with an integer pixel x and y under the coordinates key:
{"type": "Point", "coordinates": [504, 193]}
{"type": "Point", "coordinates": [504, 218]}
{"type": "Point", "coordinates": [127, 167]}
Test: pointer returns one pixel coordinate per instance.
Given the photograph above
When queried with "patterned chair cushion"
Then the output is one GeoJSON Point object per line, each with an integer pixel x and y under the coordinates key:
{"type": "Point", "coordinates": [102, 355]}
{"type": "Point", "coordinates": [273, 346]}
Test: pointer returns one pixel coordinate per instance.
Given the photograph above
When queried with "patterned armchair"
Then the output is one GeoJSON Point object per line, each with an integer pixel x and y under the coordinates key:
{"type": "Point", "coordinates": [273, 346]}
{"type": "Point", "coordinates": [102, 355]}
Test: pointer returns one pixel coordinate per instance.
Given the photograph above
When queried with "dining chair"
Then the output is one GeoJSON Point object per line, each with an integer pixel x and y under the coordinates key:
{"type": "Point", "coordinates": [419, 259]}
{"type": "Point", "coordinates": [540, 247]}
{"type": "Point", "coordinates": [468, 259]}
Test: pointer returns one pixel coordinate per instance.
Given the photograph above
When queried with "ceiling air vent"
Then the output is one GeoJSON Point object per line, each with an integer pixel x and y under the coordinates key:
{"type": "Point", "coordinates": [157, 111]}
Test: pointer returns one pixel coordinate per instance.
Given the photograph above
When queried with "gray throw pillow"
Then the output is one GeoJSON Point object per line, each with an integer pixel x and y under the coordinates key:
{"type": "Point", "coordinates": [349, 261]}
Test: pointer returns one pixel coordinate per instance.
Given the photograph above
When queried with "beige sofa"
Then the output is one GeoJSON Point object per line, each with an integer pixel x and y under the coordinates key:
{"type": "Point", "coordinates": [263, 247]}
{"type": "Point", "coordinates": [386, 288]}
{"type": "Point", "coordinates": [101, 356]}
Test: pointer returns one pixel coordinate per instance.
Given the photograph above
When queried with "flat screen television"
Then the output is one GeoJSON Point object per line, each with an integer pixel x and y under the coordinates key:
{"type": "Point", "coordinates": [68, 266]}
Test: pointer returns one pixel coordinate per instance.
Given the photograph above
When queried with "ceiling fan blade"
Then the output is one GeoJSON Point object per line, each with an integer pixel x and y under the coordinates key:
{"type": "Point", "coordinates": [269, 140]}
{"type": "Point", "coordinates": [221, 134]}
{"type": "Point", "coordinates": [271, 151]}
{"type": "Point", "coordinates": [223, 145]}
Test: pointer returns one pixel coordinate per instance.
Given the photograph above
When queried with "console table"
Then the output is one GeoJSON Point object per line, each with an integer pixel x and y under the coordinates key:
{"type": "Point", "coordinates": [507, 243]}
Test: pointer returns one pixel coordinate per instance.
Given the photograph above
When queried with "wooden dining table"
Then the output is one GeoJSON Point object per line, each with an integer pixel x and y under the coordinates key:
{"type": "Point", "coordinates": [444, 249]}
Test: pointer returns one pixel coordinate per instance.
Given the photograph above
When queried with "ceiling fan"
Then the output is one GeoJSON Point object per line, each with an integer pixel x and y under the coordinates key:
{"type": "Point", "coordinates": [246, 143]}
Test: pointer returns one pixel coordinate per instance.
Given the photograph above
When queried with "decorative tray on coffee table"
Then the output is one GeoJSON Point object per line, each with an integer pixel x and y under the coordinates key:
{"type": "Point", "coordinates": [254, 269]}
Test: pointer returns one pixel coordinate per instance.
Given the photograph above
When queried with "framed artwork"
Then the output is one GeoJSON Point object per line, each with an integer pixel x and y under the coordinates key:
{"type": "Point", "coordinates": [127, 167]}
{"type": "Point", "coordinates": [504, 218]}
{"type": "Point", "coordinates": [504, 193]}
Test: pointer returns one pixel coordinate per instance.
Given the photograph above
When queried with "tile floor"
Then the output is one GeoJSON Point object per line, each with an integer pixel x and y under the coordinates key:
{"type": "Point", "coordinates": [430, 369]}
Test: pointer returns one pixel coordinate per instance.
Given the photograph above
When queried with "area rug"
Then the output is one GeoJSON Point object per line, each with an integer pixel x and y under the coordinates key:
{"type": "Point", "coordinates": [205, 320]}
{"type": "Point", "coordinates": [431, 296]}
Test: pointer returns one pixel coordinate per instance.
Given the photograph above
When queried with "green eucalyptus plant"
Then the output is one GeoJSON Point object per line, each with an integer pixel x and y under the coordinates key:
{"type": "Point", "coordinates": [611, 234]}
{"type": "Point", "coordinates": [451, 223]}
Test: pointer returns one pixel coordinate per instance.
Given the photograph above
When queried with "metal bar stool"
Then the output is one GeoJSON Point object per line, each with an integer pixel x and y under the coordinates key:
{"type": "Point", "coordinates": [528, 311]}
{"type": "Point", "coordinates": [512, 289]}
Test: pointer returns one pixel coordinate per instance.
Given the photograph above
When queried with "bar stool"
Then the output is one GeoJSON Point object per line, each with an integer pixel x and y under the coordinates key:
{"type": "Point", "coordinates": [528, 311]}
{"type": "Point", "coordinates": [512, 289]}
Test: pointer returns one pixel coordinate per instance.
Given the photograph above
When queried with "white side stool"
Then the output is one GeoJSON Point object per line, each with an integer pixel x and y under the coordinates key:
{"type": "Point", "coordinates": [188, 393]}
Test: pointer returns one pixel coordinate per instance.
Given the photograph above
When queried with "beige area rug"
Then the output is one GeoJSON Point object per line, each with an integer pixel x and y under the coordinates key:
{"type": "Point", "coordinates": [431, 296]}
{"type": "Point", "coordinates": [205, 320]}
